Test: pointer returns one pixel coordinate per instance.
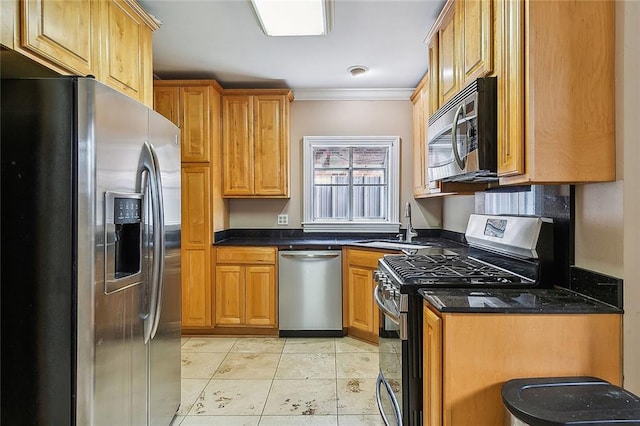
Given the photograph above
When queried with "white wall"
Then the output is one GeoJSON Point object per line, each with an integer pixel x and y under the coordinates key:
{"type": "Point", "coordinates": [456, 211]}
{"type": "Point", "coordinates": [340, 118]}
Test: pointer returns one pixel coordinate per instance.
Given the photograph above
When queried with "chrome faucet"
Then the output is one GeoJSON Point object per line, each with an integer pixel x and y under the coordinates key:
{"type": "Point", "coordinates": [410, 231]}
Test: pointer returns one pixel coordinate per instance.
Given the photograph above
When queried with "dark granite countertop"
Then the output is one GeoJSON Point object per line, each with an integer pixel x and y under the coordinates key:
{"type": "Point", "coordinates": [514, 301]}
{"type": "Point", "coordinates": [301, 241]}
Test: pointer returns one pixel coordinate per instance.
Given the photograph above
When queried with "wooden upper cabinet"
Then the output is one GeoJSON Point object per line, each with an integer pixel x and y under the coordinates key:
{"type": "Point", "coordinates": [166, 101]}
{"type": "Point", "coordinates": [255, 143]}
{"type": "Point", "coordinates": [448, 53]}
{"type": "Point", "coordinates": [63, 32]}
{"type": "Point", "coordinates": [476, 19]}
{"type": "Point", "coordinates": [420, 100]}
{"type": "Point", "coordinates": [460, 48]}
{"type": "Point", "coordinates": [556, 92]}
{"type": "Point", "coordinates": [109, 39]}
{"type": "Point", "coordinates": [434, 76]}
{"type": "Point", "coordinates": [126, 62]}
{"type": "Point", "coordinates": [271, 145]}
{"type": "Point", "coordinates": [194, 106]}
{"type": "Point", "coordinates": [237, 145]}
{"type": "Point", "coordinates": [510, 70]}
{"type": "Point", "coordinates": [195, 123]}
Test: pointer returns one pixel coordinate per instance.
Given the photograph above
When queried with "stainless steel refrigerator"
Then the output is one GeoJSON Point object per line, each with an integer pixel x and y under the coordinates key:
{"type": "Point", "coordinates": [90, 229]}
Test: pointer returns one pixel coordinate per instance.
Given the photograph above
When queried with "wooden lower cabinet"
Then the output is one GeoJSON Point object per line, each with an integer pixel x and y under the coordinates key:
{"type": "Point", "coordinates": [196, 247]}
{"type": "Point", "coordinates": [361, 316]}
{"type": "Point", "coordinates": [229, 295]}
{"type": "Point", "coordinates": [196, 291]}
{"type": "Point", "coordinates": [468, 357]}
{"type": "Point", "coordinates": [245, 287]}
{"type": "Point", "coordinates": [361, 309]}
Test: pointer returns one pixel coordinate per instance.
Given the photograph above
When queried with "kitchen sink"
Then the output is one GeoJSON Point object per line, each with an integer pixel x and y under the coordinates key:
{"type": "Point", "coordinates": [392, 245]}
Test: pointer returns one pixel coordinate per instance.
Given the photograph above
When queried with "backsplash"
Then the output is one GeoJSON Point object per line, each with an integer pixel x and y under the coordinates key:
{"type": "Point", "coordinates": [599, 286]}
{"type": "Point", "coordinates": [553, 201]}
{"type": "Point", "coordinates": [550, 201]}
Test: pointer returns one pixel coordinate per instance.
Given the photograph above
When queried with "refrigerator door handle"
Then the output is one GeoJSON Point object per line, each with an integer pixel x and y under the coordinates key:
{"type": "Point", "coordinates": [148, 164]}
{"type": "Point", "coordinates": [160, 252]}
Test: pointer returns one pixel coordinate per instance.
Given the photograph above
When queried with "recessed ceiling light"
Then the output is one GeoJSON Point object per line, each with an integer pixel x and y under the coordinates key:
{"type": "Point", "coordinates": [358, 70]}
{"type": "Point", "coordinates": [294, 17]}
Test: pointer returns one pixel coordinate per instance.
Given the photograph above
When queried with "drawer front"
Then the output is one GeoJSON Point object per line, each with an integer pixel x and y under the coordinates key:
{"type": "Point", "coordinates": [367, 259]}
{"type": "Point", "coordinates": [246, 255]}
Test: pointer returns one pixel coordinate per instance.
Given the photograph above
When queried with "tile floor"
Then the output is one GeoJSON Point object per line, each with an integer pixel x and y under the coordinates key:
{"type": "Point", "coordinates": [277, 381]}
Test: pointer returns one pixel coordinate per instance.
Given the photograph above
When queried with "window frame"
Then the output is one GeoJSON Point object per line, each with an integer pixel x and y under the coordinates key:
{"type": "Point", "coordinates": [391, 224]}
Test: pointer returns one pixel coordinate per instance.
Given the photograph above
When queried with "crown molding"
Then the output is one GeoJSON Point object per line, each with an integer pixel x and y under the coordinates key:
{"type": "Point", "coordinates": [352, 94]}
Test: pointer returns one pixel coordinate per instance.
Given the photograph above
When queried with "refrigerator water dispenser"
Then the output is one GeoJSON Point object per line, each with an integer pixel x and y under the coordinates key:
{"type": "Point", "coordinates": [123, 240]}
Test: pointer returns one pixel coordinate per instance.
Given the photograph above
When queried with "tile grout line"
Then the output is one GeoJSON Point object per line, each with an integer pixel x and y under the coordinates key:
{"type": "Point", "coordinates": [335, 358]}
{"type": "Point", "coordinates": [272, 381]}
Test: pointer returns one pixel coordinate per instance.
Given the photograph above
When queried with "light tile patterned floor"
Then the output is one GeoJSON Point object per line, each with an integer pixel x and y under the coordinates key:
{"type": "Point", "coordinates": [280, 382]}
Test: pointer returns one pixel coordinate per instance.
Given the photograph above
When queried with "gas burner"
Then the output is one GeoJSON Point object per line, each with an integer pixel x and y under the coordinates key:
{"type": "Point", "coordinates": [449, 270]}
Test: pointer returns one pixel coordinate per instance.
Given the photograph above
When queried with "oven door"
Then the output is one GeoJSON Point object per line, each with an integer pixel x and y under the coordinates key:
{"type": "Point", "coordinates": [389, 383]}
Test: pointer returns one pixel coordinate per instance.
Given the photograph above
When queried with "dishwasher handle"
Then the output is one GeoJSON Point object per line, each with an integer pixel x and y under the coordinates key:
{"type": "Point", "coordinates": [310, 256]}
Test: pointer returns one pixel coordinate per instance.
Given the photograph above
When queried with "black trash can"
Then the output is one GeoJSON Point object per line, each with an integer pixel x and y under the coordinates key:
{"type": "Point", "coordinates": [551, 401]}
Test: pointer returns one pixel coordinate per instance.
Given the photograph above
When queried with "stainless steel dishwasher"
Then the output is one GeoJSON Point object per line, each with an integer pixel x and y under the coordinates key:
{"type": "Point", "coordinates": [310, 293]}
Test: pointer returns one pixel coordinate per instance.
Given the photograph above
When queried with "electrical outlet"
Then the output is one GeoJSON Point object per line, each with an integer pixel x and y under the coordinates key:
{"type": "Point", "coordinates": [283, 219]}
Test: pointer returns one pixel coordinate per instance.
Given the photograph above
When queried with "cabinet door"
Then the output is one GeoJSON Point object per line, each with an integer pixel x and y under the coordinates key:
{"type": "Point", "coordinates": [420, 118]}
{"type": "Point", "coordinates": [196, 288]}
{"type": "Point", "coordinates": [237, 145]}
{"type": "Point", "coordinates": [434, 76]}
{"type": "Point", "coordinates": [62, 32]}
{"type": "Point", "coordinates": [271, 145]}
{"type": "Point", "coordinates": [196, 269]}
{"type": "Point", "coordinates": [361, 299]}
{"type": "Point", "coordinates": [126, 39]}
{"type": "Point", "coordinates": [196, 214]}
{"type": "Point", "coordinates": [229, 295]}
{"type": "Point", "coordinates": [260, 300]}
{"type": "Point", "coordinates": [432, 368]}
{"type": "Point", "coordinates": [195, 125]}
{"type": "Point", "coordinates": [510, 64]}
{"type": "Point", "coordinates": [166, 102]}
{"type": "Point", "coordinates": [476, 18]}
{"type": "Point", "coordinates": [448, 55]}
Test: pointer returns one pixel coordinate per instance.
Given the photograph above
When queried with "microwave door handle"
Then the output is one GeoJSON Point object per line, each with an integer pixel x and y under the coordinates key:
{"type": "Point", "coordinates": [454, 137]}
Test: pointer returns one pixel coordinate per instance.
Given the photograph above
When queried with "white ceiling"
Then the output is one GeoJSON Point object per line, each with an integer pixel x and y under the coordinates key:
{"type": "Point", "coordinates": [221, 39]}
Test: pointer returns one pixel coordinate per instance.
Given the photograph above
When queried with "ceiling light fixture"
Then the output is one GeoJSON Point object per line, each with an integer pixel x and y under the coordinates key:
{"type": "Point", "coordinates": [358, 70]}
{"type": "Point", "coordinates": [294, 17]}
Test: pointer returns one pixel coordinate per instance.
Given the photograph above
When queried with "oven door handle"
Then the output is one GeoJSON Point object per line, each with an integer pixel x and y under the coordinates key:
{"type": "Point", "coordinates": [386, 311]}
{"type": "Point", "coordinates": [396, 407]}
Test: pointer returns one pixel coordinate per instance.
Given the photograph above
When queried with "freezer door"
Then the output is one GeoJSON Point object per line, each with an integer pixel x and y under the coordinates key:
{"type": "Point", "coordinates": [164, 346]}
{"type": "Point", "coordinates": [120, 388]}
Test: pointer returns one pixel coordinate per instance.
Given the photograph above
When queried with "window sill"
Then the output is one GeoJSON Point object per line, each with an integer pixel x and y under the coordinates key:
{"type": "Point", "coordinates": [351, 227]}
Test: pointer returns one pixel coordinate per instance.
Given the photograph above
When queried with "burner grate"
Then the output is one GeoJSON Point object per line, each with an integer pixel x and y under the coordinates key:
{"type": "Point", "coordinates": [447, 269]}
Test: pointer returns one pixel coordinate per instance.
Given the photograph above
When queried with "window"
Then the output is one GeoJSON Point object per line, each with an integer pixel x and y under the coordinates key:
{"type": "Point", "coordinates": [351, 183]}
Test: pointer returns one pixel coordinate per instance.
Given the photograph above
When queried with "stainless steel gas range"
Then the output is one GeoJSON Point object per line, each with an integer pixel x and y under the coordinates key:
{"type": "Point", "coordinates": [503, 252]}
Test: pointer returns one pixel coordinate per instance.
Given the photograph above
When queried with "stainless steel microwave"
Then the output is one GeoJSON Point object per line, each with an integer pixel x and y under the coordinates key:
{"type": "Point", "coordinates": [461, 135]}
